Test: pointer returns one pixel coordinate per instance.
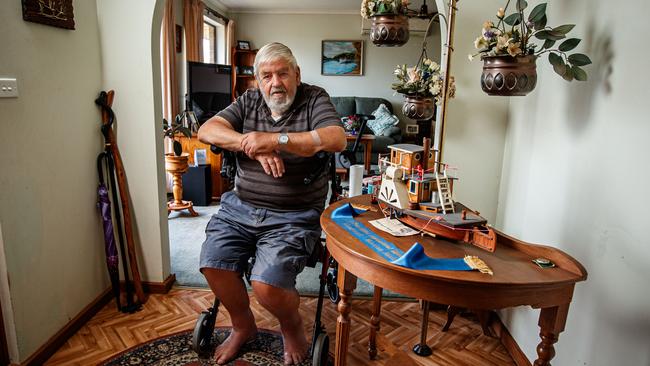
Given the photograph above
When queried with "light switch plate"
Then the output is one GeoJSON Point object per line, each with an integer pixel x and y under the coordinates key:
{"type": "Point", "coordinates": [8, 88]}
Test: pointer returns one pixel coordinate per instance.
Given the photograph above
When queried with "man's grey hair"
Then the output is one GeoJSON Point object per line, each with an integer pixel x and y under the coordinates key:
{"type": "Point", "coordinates": [273, 52]}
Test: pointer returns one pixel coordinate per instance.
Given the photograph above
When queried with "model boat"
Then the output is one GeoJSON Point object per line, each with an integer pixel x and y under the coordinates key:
{"type": "Point", "coordinates": [418, 192]}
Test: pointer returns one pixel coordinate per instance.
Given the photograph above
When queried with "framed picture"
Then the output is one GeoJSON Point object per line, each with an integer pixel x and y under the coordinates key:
{"type": "Point", "coordinates": [57, 13]}
{"type": "Point", "coordinates": [200, 157]}
{"type": "Point", "coordinates": [412, 129]}
{"type": "Point", "coordinates": [342, 58]}
{"type": "Point", "coordinates": [178, 41]}
{"type": "Point", "coordinates": [245, 70]}
{"type": "Point", "coordinates": [243, 45]}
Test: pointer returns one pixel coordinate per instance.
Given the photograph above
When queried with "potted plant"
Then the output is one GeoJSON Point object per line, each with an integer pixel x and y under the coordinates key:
{"type": "Point", "coordinates": [390, 25]}
{"type": "Point", "coordinates": [422, 88]}
{"type": "Point", "coordinates": [176, 163]}
{"type": "Point", "coordinates": [509, 55]}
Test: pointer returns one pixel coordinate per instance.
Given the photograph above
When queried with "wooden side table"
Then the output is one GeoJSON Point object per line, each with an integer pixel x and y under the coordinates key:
{"type": "Point", "coordinates": [516, 281]}
{"type": "Point", "coordinates": [366, 141]}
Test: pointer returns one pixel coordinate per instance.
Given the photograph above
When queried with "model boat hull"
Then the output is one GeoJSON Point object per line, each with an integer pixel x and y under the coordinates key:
{"type": "Point", "coordinates": [477, 232]}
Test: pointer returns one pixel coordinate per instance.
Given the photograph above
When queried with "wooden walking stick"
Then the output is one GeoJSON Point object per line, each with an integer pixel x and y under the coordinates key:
{"type": "Point", "coordinates": [105, 101]}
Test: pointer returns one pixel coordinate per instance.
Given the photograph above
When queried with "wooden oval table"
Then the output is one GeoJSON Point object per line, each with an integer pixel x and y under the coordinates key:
{"type": "Point", "coordinates": [516, 281]}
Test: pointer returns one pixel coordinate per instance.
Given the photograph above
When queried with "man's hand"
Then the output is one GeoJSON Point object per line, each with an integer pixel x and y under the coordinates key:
{"type": "Point", "coordinates": [255, 143]}
{"type": "Point", "coordinates": [272, 164]}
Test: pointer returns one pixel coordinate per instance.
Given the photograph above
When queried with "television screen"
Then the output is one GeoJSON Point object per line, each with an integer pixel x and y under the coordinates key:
{"type": "Point", "coordinates": [209, 88]}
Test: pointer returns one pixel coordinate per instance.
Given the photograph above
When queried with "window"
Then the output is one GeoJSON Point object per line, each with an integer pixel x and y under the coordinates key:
{"type": "Point", "coordinates": [209, 43]}
{"type": "Point", "coordinates": [413, 188]}
{"type": "Point", "coordinates": [214, 39]}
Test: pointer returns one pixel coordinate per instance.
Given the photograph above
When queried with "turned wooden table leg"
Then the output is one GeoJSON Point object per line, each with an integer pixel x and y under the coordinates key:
{"type": "Point", "coordinates": [347, 282]}
{"type": "Point", "coordinates": [374, 323]}
{"type": "Point", "coordinates": [551, 323]}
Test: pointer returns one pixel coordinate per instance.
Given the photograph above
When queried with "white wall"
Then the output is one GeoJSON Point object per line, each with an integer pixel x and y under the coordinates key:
{"type": "Point", "coordinates": [48, 182]}
{"type": "Point", "coordinates": [130, 44]}
{"type": "Point", "coordinates": [576, 176]}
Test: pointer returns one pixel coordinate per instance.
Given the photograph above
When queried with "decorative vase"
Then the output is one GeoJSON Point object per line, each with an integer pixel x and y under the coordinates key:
{"type": "Point", "coordinates": [418, 107]}
{"type": "Point", "coordinates": [509, 76]}
{"type": "Point", "coordinates": [389, 30]}
{"type": "Point", "coordinates": [176, 166]}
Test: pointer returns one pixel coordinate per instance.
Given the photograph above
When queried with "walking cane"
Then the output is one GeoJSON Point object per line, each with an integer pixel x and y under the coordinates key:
{"type": "Point", "coordinates": [105, 101]}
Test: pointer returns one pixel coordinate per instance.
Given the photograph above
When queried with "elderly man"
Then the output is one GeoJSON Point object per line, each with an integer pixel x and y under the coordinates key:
{"type": "Point", "coordinates": [271, 213]}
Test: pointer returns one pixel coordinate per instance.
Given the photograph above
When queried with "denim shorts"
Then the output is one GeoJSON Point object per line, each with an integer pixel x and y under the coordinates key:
{"type": "Point", "coordinates": [280, 241]}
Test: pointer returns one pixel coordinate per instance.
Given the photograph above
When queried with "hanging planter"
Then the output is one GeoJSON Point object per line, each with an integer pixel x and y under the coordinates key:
{"type": "Point", "coordinates": [418, 107]}
{"type": "Point", "coordinates": [509, 53]}
{"type": "Point", "coordinates": [389, 30]}
{"type": "Point", "coordinates": [509, 76]}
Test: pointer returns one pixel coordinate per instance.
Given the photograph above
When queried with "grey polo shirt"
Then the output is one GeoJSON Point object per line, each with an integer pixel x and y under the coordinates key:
{"type": "Point", "coordinates": [311, 110]}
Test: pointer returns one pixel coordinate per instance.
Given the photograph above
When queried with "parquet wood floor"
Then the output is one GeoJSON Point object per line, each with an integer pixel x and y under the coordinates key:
{"type": "Point", "coordinates": [110, 332]}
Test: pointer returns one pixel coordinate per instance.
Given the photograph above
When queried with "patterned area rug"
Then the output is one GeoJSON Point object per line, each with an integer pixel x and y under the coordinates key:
{"type": "Point", "coordinates": [176, 350]}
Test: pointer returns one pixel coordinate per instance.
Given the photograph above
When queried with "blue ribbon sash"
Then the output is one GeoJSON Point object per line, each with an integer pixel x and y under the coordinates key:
{"type": "Point", "coordinates": [414, 258]}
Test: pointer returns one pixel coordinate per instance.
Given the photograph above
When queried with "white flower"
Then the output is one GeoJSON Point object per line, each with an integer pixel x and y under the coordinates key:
{"type": "Point", "coordinates": [435, 87]}
{"type": "Point", "coordinates": [427, 61]}
{"type": "Point", "coordinates": [470, 57]}
{"type": "Point", "coordinates": [480, 43]}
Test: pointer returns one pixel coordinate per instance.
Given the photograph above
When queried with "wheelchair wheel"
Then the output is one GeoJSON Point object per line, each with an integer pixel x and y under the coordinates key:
{"type": "Point", "coordinates": [321, 350]}
{"type": "Point", "coordinates": [202, 335]}
{"type": "Point", "coordinates": [332, 288]}
{"type": "Point", "coordinates": [347, 159]}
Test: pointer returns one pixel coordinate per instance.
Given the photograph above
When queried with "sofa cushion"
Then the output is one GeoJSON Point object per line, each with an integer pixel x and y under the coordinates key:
{"type": "Point", "coordinates": [344, 106]}
{"type": "Point", "coordinates": [366, 105]}
{"type": "Point", "coordinates": [384, 120]}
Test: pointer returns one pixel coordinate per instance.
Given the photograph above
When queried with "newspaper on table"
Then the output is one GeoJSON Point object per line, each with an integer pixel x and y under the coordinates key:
{"type": "Point", "coordinates": [393, 227]}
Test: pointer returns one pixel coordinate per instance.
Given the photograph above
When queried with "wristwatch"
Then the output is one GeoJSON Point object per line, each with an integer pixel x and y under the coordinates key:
{"type": "Point", "coordinates": [283, 139]}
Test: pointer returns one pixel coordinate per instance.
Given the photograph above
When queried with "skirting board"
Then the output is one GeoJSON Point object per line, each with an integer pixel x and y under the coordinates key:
{"type": "Point", "coordinates": [56, 341]}
{"type": "Point", "coordinates": [500, 330]}
{"type": "Point", "coordinates": [156, 287]}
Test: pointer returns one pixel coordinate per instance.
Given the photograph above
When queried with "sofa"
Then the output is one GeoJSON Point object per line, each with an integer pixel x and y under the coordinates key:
{"type": "Point", "coordinates": [346, 106]}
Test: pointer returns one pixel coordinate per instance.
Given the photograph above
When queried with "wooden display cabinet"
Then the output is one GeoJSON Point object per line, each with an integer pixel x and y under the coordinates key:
{"type": "Point", "coordinates": [241, 81]}
{"type": "Point", "coordinates": [219, 185]}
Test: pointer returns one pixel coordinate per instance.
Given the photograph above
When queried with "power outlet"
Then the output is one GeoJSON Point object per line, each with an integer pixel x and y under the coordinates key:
{"type": "Point", "coordinates": [8, 88]}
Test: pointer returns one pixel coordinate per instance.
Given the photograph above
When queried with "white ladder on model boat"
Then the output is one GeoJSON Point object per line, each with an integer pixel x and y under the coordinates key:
{"type": "Point", "coordinates": [444, 193]}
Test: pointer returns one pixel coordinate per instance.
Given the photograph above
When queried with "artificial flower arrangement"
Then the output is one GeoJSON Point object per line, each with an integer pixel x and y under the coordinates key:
{"type": "Point", "coordinates": [425, 80]}
{"type": "Point", "coordinates": [512, 35]}
{"type": "Point", "coordinates": [351, 123]}
{"type": "Point", "coordinates": [370, 8]}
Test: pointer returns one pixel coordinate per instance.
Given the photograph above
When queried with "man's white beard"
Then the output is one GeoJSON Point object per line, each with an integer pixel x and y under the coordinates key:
{"type": "Point", "coordinates": [278, 105]}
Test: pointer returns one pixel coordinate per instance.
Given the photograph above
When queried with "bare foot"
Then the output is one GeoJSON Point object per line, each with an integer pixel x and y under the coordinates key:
{"type": "Point", "coordinates": [227, 350]}
{"type": "Point", "coordinates": [295, 342]}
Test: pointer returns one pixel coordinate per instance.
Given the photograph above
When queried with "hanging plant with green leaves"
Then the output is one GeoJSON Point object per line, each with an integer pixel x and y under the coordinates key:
{"type": "Point", "coordinates": [514, 35]}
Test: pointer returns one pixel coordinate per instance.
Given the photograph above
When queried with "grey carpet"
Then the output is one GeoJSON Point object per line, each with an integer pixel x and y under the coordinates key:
{"type": "Point", "coordinates": [187, 233]}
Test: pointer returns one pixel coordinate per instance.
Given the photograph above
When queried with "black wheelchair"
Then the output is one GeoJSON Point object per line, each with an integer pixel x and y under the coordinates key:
{"type": "Point", "coordinates": [204, 328]}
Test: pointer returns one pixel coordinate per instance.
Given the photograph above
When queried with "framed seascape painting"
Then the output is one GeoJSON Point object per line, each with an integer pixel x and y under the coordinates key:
{"type": "Point", "coordinates": [342, 58]}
